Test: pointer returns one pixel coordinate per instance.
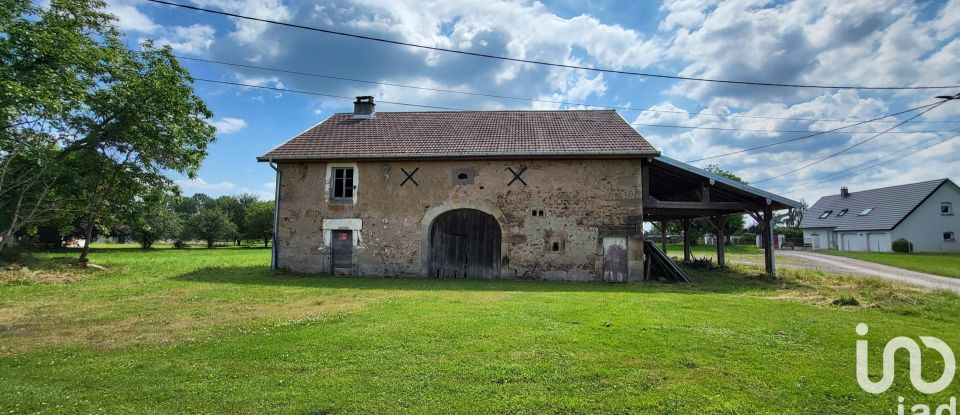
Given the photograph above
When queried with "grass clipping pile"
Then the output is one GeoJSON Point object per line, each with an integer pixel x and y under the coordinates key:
{"type": "Point", "coordinates": [20, 274]}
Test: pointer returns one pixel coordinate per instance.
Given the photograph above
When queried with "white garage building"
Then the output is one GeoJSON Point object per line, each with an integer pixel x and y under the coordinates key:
{"type": "Point", "coordinates": [922, 213]}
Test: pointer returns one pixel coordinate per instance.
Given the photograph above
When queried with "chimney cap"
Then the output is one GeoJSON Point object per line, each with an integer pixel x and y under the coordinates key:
{"type": "Point", "coordinates": [363, 107]}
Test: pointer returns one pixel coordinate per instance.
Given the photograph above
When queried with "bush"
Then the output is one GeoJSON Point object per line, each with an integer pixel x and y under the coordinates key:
{"type": "Point", "coordinates": [747, 239]}
{"type": "Point", "coordinates": [902, 245]}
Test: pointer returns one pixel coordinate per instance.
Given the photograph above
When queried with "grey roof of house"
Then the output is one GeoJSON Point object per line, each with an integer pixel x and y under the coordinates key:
{"type": "Point", "coordinates": [890, 206]}
{"type": "Point", "coordinates": [470, 134]}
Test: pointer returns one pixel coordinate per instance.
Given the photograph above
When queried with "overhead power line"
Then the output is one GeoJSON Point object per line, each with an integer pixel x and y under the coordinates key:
{"type": "Point", "coordinates": [804, 137]}
{"type": "Point", "coordinates": [323, 94]}
{"type": "Point", "coordinates": [543, 63]}
{"type": "Point", "coordinates": [538, 100]}
{"type": "Point", "coordinates": [854, 171]}
{"type": "Point", "coordinates": [818, 161]}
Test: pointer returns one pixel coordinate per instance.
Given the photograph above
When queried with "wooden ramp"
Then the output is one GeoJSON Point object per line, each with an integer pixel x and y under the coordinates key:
{"type": "Point", "coordinates": [659, 263]}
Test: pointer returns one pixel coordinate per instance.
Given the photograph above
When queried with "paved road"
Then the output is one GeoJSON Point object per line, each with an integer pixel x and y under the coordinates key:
{"type": "Point", "coordinates": [850, 266]}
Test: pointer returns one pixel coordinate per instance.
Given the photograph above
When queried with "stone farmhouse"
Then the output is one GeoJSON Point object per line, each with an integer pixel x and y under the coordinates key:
{"type": "Point", "coordinates": [558, 195]}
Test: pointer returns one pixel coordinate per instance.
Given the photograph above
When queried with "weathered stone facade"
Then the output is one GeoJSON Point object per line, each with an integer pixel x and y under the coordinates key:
{"type": "Point", "coordinates": [582, 201]}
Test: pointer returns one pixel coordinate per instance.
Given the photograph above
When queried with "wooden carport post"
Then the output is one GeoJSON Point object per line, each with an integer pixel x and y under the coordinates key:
{"type": "Point", "coordinates": [719, 222]}
{"type": "Point", "coordinates": [685, 224]}
{"type": "Point", "coordinates": [663, 236]}
{"type": "Point", "coordinates": [765, 222]}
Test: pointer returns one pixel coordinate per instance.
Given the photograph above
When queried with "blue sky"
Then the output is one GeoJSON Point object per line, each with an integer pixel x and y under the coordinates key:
{"type": "Point", "coordinates": [865, 42]}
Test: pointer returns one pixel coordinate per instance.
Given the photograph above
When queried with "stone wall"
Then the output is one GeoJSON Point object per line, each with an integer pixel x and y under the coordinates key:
{"type": "Point", "coordinates": [580, 200]}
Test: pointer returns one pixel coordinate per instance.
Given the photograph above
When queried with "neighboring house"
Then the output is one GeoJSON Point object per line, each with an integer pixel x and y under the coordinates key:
{"type": "Point", "coordinates": [556, 195]}
{"type": "Point", "coordinates": [870, 220]}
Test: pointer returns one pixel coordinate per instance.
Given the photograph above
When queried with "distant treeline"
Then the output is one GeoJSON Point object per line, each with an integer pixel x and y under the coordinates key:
{"type": "Point", "coordinates": [233, 219]}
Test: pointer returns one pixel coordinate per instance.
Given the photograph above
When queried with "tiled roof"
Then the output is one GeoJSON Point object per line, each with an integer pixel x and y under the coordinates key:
{"type": "Point", "coordinates": [453, 134]}
{"type": "Point", "coordinates": [890, 206]}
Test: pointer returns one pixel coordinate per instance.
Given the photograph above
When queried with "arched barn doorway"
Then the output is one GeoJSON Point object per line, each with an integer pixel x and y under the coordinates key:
{"type": "Point", "coordinates": [465, 243]}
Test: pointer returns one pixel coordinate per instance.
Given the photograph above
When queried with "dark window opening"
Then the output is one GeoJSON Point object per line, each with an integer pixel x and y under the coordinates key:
{"type": "Point", "coordinates": [948, 236]}
{"type": "Point", "coordinates": [463, 176]}
{"type": "Point", "coordinates": [946, 208]}
{"type": "Point", "coordinates": [534, 213]}
{"type": "Point", "coordinates": [539, 213]}
{"type": "Point", "coordinates": [343, 183]}
{"type": "Point", "coordinates": [556, 246]}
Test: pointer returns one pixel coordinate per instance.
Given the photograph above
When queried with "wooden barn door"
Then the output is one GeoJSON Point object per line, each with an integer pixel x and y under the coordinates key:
{"type": "Point", "coordinates": [465, 243]}
{"type": "Point", "coordinates": [615, 259]}
{"type": "Point", "coordinates": [342, 255]}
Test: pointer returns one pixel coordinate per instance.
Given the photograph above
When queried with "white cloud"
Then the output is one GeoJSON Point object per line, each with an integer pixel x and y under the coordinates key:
{"type": "Point", "coordinates": [199, 185]}
{"type": "Point", "coordinates": [228, 125]}
{"type": "Point", "coordinates": [129, 18]}
{"type": "Point", "coordinates": [193, 40]}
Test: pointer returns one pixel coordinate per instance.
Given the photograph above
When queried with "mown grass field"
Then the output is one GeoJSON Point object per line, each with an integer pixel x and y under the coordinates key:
{"type": "Point", "coordinates": [947, 265]}
{"type": "Point", "coordinates": [216, 331]}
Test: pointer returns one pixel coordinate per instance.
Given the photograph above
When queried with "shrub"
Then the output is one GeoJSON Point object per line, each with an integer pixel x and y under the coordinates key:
{"type": "Point", "coordinates": [747, 239]}
{"type": "Point", "coordinates": [902, 245]}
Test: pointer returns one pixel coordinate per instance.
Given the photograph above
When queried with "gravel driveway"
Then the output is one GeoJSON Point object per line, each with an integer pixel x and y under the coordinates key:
{"type": "Point", "coordinates": [850, 266]}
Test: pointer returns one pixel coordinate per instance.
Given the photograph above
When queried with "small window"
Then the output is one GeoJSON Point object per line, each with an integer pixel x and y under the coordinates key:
{"type": "Point", "coordinates": [540, 213]}
{"type": "Point", "coordinates": [842, 212]}
{"type": "Point", "coordinates": [826, 214]}
{"type": "Point", "coordinates": [463, 176]}
{"type": "Point", "coordinates": [948, 237]}
{"type": "Point", "coordinates": [342, 183]}
{"type": "Point", "coordinates": [534, 212]}
{"type": "Point", "coordinates": [865, 212]}
{"type": "Point", "coordinates": [946, 208]}
{"type": "Point", "coordinates": [556, 246]}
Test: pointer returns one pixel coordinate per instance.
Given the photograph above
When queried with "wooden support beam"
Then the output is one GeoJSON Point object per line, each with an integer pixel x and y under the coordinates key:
{"type": "Point", "coordinates": [720, 222]}
{"type": "Point", "coordinates": [685, 224]}
{"type": "Point", "coordinates": [652, 203]}
{"type": "Point", "coordinates": [768, 254]}
{"type": "Point", "coordinates": [663, 236]}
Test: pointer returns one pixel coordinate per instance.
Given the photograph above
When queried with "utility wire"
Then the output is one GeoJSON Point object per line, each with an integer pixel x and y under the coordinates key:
{"type": "Point", "coordinates": [639, 124]}
{"type": "Point", "coordinates": [935, 105]}
{"type": "Point", "coordinates": [845, 171]}
{"type": "Point", "coordinates": [803, 137]}
{"type": "Point", "coordinates": [270, 88]}
{"type": "Point", "coordinates": [543, 63]}
{"type": "Point", "coordinates": [861, 171]}
{"type": "Point", "coordinates": [453, 91]}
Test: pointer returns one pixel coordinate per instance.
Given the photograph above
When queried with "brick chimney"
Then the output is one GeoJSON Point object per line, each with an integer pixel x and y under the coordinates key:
{"type": "Point", "coordinates": [844, 193]}
{"type": "Point", "coordinates": [363, 108]}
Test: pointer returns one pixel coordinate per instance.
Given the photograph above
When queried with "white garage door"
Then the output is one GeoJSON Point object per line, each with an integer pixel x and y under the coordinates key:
{"type": "Point", "coordinates": [852, 242]}
{"type": "Point", "coordinates": [878, 242]}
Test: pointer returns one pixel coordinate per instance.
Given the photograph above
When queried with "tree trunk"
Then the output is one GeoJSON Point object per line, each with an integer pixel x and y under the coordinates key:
{"type": "Point", "coordinates": [210, 244]}
{"type": "Point", "coordinates": [98, 204]}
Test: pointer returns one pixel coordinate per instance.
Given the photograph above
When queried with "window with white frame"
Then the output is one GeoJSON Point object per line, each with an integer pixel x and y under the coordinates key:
{"type": "Point", "coordinates": [949, 237]}
{"type": "Point", "coordinates": [842, 212]}
{"type": "Point", "coordinates": [342, 184]}
{"type": "Point", "coordinates": [825, 214]}
{"type": "Point", "coordinates": [946, 208]}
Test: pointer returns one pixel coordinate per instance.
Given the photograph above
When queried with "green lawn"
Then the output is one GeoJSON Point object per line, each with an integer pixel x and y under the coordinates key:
{"type": "Point", "coordinates": [947, 265]}
{"type": "Point", "coordinates": [215, 331]}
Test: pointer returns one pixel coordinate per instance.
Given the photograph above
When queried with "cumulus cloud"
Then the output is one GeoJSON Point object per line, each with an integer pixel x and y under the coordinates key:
{"type": "Point", "coordinates": [228, 125]}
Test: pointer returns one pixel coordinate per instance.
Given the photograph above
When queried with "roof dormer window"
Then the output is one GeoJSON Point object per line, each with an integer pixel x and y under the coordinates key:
{"type": "Point", "coordinates": [865, 212]}
{"type": "Point", "coordinates": [826, 214]}
{"type": "Point", "coordinates": [842, 212]}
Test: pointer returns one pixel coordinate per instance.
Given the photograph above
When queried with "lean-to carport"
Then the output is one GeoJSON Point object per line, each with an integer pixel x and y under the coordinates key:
{"type": "Point", "coordinates": [673, 190]}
